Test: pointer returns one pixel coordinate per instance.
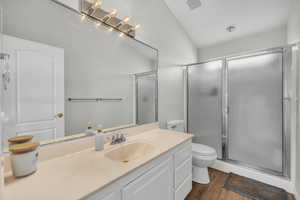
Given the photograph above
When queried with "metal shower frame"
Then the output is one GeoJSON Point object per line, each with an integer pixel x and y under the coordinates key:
{"type": "Point", "coordinates": [286, 106]}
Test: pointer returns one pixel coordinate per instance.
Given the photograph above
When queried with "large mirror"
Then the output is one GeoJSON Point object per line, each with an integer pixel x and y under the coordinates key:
{"type": "Point", "coordinates": [66, 73]}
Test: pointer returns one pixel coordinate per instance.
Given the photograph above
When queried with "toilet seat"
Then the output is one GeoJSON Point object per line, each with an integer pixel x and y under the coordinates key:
{"type": "Point", "coordinates": [202, 150]}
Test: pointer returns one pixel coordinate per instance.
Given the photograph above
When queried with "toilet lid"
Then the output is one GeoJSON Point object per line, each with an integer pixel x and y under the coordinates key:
{"type": "Point", "coordinates": [202, 149]}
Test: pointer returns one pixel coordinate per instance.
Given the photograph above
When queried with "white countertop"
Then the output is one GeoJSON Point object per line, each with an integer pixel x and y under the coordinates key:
{"type": "Point", "coordinates": [76, 175]}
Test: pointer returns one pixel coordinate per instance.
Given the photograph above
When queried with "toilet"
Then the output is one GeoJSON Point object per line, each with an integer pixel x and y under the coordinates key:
{"type": "Point", "coordinates": [203, 155]}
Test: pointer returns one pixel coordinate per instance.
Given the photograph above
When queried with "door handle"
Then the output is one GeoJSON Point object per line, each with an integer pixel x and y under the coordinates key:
{"type": "Point", "coordinates": [59, 115]}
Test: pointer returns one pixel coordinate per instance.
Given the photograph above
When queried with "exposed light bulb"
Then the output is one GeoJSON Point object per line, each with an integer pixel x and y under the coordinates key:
{"type": "Point", "coordinates": [113, 12]}
{"type": "Point", "coordinates": [111, 29]}
{"type": "Point", "coordinates": [134, 28]}
{"type": "Point", "coordinates": [137, 27]}
{"type": "Point", "coordinates": [98, 24]}
{"type": "Point", "coordinates": [83, 16]}
{"type": "Point", "coordinates": [295, 48]}
{"type": "Point", "coordinates": [126, 19]}
{"type": "Point", "coordinates": [121, 34]}
{"type": "Point", "coordinates": [97, 4]}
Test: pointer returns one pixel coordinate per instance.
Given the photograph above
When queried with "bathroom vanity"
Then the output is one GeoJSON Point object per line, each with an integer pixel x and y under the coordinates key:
{"type": "Point", "coordinates": [155, 164]}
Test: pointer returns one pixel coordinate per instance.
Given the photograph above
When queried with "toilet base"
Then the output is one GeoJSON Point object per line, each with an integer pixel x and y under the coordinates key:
{"type": "Point", "coordinates": [200, 175]}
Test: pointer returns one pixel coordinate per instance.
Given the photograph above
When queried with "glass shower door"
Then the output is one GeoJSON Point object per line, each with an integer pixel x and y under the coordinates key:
{"type": "Point", "coordinates": [146, 93]}
{"type": "Point", "coordinates": [205, 104]}
{"type": "Point", "coordinates": [255, 119]}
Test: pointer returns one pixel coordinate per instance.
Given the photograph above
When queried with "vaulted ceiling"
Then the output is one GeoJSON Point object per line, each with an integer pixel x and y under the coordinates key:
{"type": "Point", "coordinates": [206, 25]}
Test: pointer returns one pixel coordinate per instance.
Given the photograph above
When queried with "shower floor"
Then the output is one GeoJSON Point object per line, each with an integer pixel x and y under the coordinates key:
{"type": "Point", "coordinates": [215, 190]}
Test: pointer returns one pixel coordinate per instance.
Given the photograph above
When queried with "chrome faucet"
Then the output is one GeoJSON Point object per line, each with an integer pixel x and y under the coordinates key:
{"type": "Point", "coordinates": [117, 139]}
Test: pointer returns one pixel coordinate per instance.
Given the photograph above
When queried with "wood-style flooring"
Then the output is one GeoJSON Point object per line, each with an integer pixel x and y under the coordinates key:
{"type": "Point", "coordinates": [215, 190]}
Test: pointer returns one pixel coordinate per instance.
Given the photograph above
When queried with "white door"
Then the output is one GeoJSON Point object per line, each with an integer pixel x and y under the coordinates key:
{"type": "Point", "coordinates": [36, 103]}
{"type": "Point", "coordinates": [156, 184]}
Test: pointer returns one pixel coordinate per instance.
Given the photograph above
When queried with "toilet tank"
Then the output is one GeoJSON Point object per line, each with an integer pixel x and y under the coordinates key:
{"type": "Point", "coordinates": [176, 125]}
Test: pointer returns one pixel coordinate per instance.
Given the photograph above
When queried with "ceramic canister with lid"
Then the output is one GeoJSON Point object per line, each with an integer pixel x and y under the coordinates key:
{"type": "Point", "coordinates": [24, 158]}
{"type": "Point", "coordinates": [20, 139]}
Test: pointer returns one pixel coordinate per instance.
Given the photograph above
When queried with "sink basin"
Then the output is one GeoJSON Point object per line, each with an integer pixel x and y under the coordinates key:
{"type": "Point", "coordinates": [130, 152]}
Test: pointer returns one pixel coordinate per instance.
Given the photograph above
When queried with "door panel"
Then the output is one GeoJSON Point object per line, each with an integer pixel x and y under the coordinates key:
{"type": "Point", "coordinates": [205, 104]}
{"type": "Point", "coordinates": [255, 111]}
{"type": "Point", "coordinates": [38, 81]}
{"type": "Point", "coordinates": [32, 68]}
{"type": "Point", "coordinates": [40, 135]}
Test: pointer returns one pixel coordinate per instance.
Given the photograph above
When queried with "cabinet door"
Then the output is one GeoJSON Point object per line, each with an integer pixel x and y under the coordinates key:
{"type": "Point", "coordinates": [156, 184]}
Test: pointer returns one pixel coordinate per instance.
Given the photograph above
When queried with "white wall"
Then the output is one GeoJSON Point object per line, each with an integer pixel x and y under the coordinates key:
{"type": "Point", "coordinates": [160, 29]}
{"type": "Point", "coordinates": [272, 38]}
{"type": "Point", "coordinates": [293, 36]}
{"type": "Point", "coordinates": [293, 27]}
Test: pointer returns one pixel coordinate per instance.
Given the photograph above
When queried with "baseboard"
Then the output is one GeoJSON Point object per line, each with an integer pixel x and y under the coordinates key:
{"type": "Point", "coordinates": [254, 174]}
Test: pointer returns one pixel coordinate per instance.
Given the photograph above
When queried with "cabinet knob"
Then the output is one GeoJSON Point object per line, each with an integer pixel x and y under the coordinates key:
{"type": "Point", "coordinates": [59, 115]}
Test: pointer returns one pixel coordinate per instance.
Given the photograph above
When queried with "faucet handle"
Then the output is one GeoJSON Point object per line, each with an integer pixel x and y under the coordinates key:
{"type": "Point", "coordinates": [113, 139]}
{"type": "Point", "coordinates": [123, 138]}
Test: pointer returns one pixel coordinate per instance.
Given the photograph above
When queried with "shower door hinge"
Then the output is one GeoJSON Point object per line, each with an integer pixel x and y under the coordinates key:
{"type": "Point", "coordinates": [287, 99]}
{"type": "Point", "coordinates": [226, 110]}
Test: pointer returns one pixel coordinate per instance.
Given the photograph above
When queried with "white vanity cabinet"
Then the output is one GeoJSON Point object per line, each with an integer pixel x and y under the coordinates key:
{"type": "Point", "coordinates": [113, 196]}
{"type": "Point", "coordinates": [183, 172]}
{"type": "Point", "coordinates": [168, 177]}
{"type": "Point", "coordinates": [155, 184]}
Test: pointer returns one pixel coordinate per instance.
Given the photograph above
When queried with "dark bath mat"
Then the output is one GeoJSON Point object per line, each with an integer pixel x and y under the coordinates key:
{"type": "Point", "coordinates": [254, 189]}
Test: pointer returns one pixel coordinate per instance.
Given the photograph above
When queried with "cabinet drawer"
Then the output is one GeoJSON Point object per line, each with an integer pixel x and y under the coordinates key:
{"type": "Point", "coordinates": [183, 171]}
{"type": "Point", "coordinates": [183, 154]}
{"type": "Point", "coordinates": [184, 189]}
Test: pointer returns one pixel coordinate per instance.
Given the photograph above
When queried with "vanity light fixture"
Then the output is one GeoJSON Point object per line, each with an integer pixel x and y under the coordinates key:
{"type": "Point", "coordinates": [94, 11]}
{"type": "Point", "coordinates": [124, 21]}
{"type": "Point", "coordinates": [134, 28]}
{"type": "Point", "coordinates": [111, 14]}
{"type": "Point", "coordinates": [95, 6]}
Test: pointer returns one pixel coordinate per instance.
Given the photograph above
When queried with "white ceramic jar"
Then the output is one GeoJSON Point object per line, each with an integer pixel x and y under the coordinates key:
{"type": "Point", "coordinates": [24, 158]}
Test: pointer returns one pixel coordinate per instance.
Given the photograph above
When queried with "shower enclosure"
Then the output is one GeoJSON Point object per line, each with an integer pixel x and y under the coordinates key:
{"type": "Point", "coordinates": [240, 106]}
